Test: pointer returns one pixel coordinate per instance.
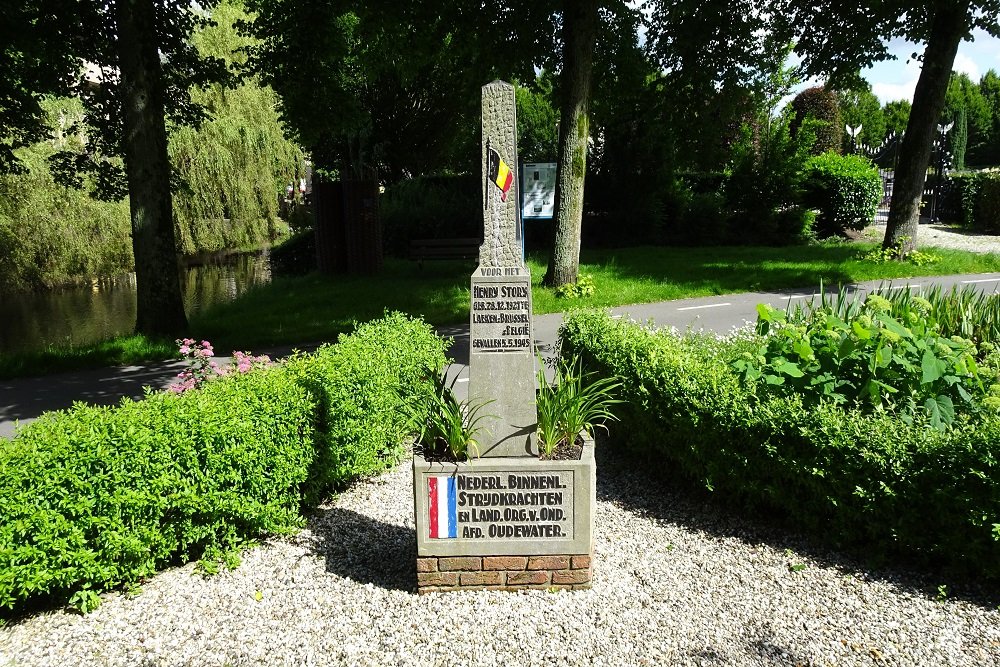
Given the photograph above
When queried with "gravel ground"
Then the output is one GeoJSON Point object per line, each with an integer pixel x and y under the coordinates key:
{"type": "Point", "coordinates": [675, 583]}
{"type": "Point", "coordinates": [944, 236]}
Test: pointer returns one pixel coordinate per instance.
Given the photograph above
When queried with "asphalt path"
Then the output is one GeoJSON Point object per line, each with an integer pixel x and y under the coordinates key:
{"type": "Point", "coordinates": [23, 399]}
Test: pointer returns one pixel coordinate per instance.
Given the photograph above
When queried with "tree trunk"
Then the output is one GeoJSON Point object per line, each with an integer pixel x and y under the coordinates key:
{"type": "Point", "coordinates": [160, 309]}
{"type": "Point", "coordinates": [948, 26]}
{"type": "Point", "coordinates": [579, 35]}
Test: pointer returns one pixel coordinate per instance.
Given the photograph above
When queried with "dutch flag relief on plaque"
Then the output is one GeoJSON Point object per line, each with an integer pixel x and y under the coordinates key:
{"type": "Point", "coordinates": [442, 506]}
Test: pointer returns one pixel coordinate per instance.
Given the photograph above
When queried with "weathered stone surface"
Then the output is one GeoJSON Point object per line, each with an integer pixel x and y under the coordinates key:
{"type": "Point", "coordinates": [460, 563]}
{"type": "Point", "coordinates": [571, 577]}
{"type": "Point", "coordinates": [437, 578]}
{"type": "Point", "coordinates": [501, 345]}
{"type": "Point", "coordinates": [481, 579]}
{"type": "Point", "coordinates": [502, 232]}
{"type": "Point", "coordinates": [534, 578]}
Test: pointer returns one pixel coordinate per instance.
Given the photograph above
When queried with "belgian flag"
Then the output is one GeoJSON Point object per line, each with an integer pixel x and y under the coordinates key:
{"type": "Point", "coordinates": [500, 173]}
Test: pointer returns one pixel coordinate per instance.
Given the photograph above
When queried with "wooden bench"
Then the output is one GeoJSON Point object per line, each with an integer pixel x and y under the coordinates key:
{"type": "Point", "coordinates": [421, 249]}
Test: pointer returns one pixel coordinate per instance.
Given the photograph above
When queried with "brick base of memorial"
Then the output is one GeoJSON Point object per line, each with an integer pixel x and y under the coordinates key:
{"type": "Point", "coordinates": [502, 573]}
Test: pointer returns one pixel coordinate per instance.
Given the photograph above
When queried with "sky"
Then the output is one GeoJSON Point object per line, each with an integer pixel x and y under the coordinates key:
{"type": "Point", "coordinates": [895, 79]}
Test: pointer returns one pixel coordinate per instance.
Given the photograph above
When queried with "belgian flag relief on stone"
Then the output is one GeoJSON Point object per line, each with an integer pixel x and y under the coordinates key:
{"type": "Point", "coordinates": [500, 173]}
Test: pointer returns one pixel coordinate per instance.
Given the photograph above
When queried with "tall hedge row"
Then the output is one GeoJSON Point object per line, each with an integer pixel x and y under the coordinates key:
{"type": "Point", "coordinates": [869, 482]}
{"type": "Point", "coordinates": [96, 497]}
{"type": "Point", "coordinates": [972, 199]}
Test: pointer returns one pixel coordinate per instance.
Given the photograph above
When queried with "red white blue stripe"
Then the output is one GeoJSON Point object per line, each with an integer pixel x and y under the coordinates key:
{"type": "Point", "coordinates": [442, 506]}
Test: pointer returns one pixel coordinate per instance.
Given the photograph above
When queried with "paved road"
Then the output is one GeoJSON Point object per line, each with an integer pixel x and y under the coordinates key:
{"type": "Point", "coordinates": [22, 400]}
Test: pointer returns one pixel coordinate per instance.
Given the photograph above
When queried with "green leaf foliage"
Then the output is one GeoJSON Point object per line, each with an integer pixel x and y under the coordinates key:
{"type": "Point", "coordinates": [98, 497]}
{"type": "Point", "coordinates": [845, 188]}
{"type": "Point", "coordinates": [364, 385]}
{"type": "Point", "coordinates": [885, 486]}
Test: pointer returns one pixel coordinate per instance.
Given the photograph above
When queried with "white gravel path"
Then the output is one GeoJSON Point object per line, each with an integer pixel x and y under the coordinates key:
{"type": "Point", "coordinates": [944, 236]}
{"type": "Point", "coordinates": [675, 583]}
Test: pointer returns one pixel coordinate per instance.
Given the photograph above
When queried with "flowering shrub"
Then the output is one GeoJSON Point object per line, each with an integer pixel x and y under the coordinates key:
{"type": "Point", "coordinates": [202, 368]}
{"type": "Point", "coordinates": [99, 497]}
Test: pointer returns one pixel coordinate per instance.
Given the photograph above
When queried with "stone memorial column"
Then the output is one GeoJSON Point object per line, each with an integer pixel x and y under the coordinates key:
{"type": "Point", "coordinates": [501, 348]}
{"type": "Point", "coordinates": [505, 520]}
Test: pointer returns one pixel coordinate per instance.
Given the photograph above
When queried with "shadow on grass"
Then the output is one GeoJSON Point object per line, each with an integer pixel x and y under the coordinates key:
{"type": "Point", "coordinates": [729, 269]}
{"type": "Point", "coordinates": [641, 486]}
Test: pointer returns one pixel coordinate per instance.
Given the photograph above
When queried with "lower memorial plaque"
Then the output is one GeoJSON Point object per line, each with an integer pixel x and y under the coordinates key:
{"type": "Point", "coordinates": [504, 506]}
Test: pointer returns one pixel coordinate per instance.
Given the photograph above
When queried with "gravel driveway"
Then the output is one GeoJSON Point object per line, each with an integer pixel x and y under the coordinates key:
{"type": "Point", "coordinates": [944, 236]}
{"type": "Point", "coordinates": [676, 582]}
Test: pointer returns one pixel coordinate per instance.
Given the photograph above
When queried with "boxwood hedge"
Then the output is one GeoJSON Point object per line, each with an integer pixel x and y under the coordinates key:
{"type": "Point", "coordinates": [866, 482]}
{"type": "Point", "coordinates": [96, 497]}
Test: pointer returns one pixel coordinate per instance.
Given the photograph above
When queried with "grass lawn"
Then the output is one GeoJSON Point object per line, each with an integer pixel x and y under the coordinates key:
{"type": "Point", "coordinates": [316, 308]}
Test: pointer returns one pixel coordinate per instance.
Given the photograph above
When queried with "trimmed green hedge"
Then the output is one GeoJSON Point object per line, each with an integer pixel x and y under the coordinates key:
{"type": "Point", "coordinates": [845, 188]}
{"type": "Point", "coordinates": [866, 482]}
{"type": "Point", "coordinates": [92, 498]}
{"type": "Point", "coordinates": [971, 199]}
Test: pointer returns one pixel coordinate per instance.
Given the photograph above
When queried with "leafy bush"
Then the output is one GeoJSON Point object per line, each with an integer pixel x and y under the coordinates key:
{"type": "Point", "coordinates": [573, 403]}
{"type": "Point", "coordinates": [450, 427]}
{"type": "Point", "coordinates": [845, 188]}
{"type": "Point", "coordinates": [364, 384]}
{"type": "Point", "coordinates": [971, 199]}
{"type": "Point", "coordinates": [872, 482]}
{"type": "Point", "coordinates": [765, 182]}
{"type": "Point", "coordinates": [957, 197]}
{"type": "Point", "coordinates": [820, 104]}
{"type": "Point", "coordinates": [96, 497]}
{"type": "Point", "coordinates": [987, 211]}
{"type": "Point", "coordinates": [869, 360]}
{"type": "Point", "coordinates": [583, 287]}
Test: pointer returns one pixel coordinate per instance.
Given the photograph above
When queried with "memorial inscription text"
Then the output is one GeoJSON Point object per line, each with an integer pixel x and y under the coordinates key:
{"type": "Point", "coordinates": [515, 505]}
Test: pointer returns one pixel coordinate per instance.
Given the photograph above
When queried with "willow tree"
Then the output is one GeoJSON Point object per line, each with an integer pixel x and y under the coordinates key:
{"type": "Point", "coordinates": [232, 167]}
{"type": "Point", "coordinates": [140, 65]}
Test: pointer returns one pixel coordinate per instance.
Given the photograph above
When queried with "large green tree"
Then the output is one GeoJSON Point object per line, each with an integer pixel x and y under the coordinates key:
{"type": "Point", "coordinates": [838, 38]}
{"type": "Point", "coordinates": [579, 35]}
{"type": "Point", "coordinates": [965, 105]}
{"type": "Point", "coordinates": [380, 89]}
{"type": "Point", "coordinates": [897, 115]}
{"type": "Point", "coordinates": [231, 167]}
{"type": "Point", "coordinates": [989, 88]}
{"type": "Point", "coordinates": [125, 59]}
{"type": "Point", "coordinates": [859, 107]}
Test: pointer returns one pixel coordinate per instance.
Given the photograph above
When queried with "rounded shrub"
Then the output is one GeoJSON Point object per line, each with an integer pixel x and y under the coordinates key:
{"type": "Point", "coordinates": [820, 104]}
{"type": "Point", "coordinates": [845, 189]}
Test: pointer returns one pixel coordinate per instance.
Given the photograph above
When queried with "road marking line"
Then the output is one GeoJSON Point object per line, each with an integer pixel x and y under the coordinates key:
{"type": "Point", "coordinates": [984, 280]}
{"type": "Point", "coordinates": [892, 287]}
{"type": "Point", "coordinates": [461, 379]}
{"type": "Point", "coordinates": [711, 305]}
{"type": "Point", "coordinates": [799, 296]}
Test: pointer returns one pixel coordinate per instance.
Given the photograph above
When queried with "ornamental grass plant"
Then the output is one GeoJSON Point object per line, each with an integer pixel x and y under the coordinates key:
{"type": "Point", "coordinates": [448, 427]}
{"type": "Point", "coordinates": [575, 402]}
